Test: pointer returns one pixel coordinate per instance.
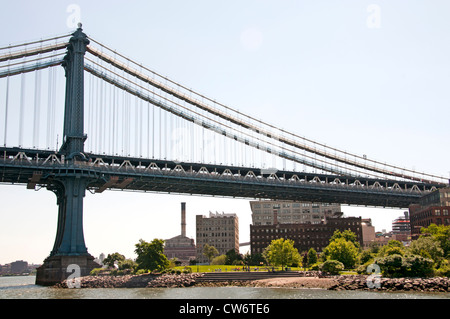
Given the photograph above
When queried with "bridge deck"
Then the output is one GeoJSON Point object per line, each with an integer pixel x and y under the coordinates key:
{"type": "Point", "coordinates": [35, 167]}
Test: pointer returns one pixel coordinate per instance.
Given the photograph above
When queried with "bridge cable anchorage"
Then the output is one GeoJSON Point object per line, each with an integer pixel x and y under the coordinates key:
{"type": "Point", "coordinates": [265, 132]}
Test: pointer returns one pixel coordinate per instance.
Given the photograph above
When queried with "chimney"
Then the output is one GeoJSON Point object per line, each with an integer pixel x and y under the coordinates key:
{"type": "Point", "coordinates": [183, 219]}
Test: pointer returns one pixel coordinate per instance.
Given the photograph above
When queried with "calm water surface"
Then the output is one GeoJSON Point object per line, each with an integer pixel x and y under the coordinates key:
{"type": "Point", "coordinates": [23, 287]}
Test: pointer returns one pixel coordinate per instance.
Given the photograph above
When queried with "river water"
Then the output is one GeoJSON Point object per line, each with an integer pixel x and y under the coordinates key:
{"type": "Point", "coordinates": [23, 287]}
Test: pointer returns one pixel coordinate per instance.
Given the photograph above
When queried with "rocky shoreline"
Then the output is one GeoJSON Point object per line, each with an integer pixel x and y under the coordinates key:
{"type": "Point", "coordinates": [435, 284]}
{"type": "Point", "coordinates": [344, 282]}
{"type": "Point", "coordinates": [135, 281]}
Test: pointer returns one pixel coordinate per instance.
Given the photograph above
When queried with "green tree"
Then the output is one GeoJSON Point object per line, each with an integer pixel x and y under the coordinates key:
{"type": "Point", "coordinates": [150, 256]}
{"type": "Point", "coordinates": [405, 266]}
{"type": "Point", "coordinates": [342, 250]}
{"type": "Point", "coordinates": [347, 235]}
{"type": "Point", "coordinates": [427, 247]}
{"type": "Point", "coordinates": [111, 259]}
{"type": "Point", "coordinates": [332, 267]}
{"type": "Point", "coordinates": [254, 259]}
{"type": "Point", "coordinates": [209, 252]}
{"type": "Point", "coordinates": [219, 260]}
{"type": "Point", "coordinates": [441, 233]}
{"type": "Point", "coordinates": [394, 247]}
{"type": "Point", "coordinates": [232, 257]}
{"type": "Point", "coordinates": [366, 256]}
{"type": "Point", "coordinates": [281, 252]}
{"type": "Point", "coordinates": [312, 257]}
{"type": "Point", "coordinates": [127, 264]}
{"type": "Point", "coordinates": [391, 265]}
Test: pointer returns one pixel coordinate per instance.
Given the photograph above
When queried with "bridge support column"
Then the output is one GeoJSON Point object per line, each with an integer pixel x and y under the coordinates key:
{"type": "Point", "coordinates": [69, 247]}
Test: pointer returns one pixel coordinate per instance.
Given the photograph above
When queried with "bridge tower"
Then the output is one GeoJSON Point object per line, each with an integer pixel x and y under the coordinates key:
{"type": "Point", "coordinates": [69, 185]}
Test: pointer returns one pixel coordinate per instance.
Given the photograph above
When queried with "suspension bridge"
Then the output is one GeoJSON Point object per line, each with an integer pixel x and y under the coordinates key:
{"type": "Point", "coordinates": [124, 126]}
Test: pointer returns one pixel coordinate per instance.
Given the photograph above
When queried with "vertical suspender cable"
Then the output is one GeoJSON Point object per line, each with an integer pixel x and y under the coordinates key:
{"type": "Point", "coordinates": [123, 122]}
{"type": "Point", "coordinates": [153, 131]}
{"type": "Point", "coordinates": [22, 107]}
{"type": "Point", "coordinates": [160, 132]}
{"type": "Point", "coordinates": [53, 105]}
{"type": "Point", "coordinates": [37, 106]}
{"type": "Point", "coordinates": [113, 125]}
{"type": "Point", "coordinates": [89, 111]}
{"type": "Point", "coordinates": [148, 130]}
{"type": "Point", "coordinates": [49, 111]}
{"type": "Point", "coordinates": [140, 128]}
{"type": "Point", "coordinates": [6, 110]}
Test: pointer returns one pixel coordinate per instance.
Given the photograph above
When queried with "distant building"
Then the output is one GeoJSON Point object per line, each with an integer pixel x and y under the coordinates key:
{"type": "Point", "coordinates": [269, 212]}
{"type": "Point", "coordinates": [218, 230]}
{"type": "Point", "coordinates": [181, 247]}
{"type": "Point", "coordinates": [19, 267]}
{"type": "Point", "coordinates": [401, 229]}
{"type": "Point", "coordinates": [305, 236]}
{"type": "Point", "coordinates": [368, 232]}
{"type": "Point", "coordinates": [433, 208]}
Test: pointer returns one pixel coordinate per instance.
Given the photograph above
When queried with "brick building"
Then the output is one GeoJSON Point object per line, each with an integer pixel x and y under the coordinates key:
{"type": "Point", "coordinates": [433, 208]}
{"type": "Point", "coordinates": [305, 236]}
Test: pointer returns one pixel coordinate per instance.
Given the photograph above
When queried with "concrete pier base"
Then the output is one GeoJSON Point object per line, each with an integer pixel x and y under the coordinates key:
{"type": "Point", "coordinates": [58, 268]}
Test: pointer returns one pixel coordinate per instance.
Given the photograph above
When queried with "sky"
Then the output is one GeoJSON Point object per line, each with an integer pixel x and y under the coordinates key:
{"type": "Point", "coordinates": [369, 77]}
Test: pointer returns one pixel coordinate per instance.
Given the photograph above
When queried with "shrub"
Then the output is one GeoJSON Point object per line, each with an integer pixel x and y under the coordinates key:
{"type": "Point", "coordinates": [390, 265]}
{"type": "Point", "coordinates": [332, 267]}
{"type": "Point", "coordinates": [315, 266]}
{"type": "Point", "coordinates": [405, 266]}
{"type": "Point", "coordinates": [187, 270]}
{"type": "Point", "coordinates": [219, 260]}
{"type": "Point", "coordinates": [444, 269]}
{"type": "Point", "coordinates": [141, 271]}
{"type": "Point", "coordinates": [95, 271]}
{"type": "Point", "coordinates": [417, 266]}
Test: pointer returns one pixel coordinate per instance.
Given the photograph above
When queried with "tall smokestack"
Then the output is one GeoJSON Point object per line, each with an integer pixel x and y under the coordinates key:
{"type": "Point", "coordinates": [183, 219]}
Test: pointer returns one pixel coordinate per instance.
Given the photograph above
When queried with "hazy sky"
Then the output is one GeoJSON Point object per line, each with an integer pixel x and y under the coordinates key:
{"type": "Point", "coordinates": [370, 77]}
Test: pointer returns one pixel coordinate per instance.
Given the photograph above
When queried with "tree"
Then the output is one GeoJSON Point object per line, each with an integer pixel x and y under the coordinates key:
{"type": "Point", "coordinates": [405, 266]}
{"type": "Point", "coordinates": [127, 264]}
{"type": "Point", "coordinates": [441, 233]}
{"type": "Point", "coordinates": [209, 252]}
{"type": "Point", "coordinates": [254, 259]}
{"type": "Point", "coordinates": [111, 259]}
{"type": "Point", "coordinates": [219, 260]}
{"type": "Point", "coordinates": [347, 235]}
{"type": "Point", "coordinates": [232, 257]}
{"type": "Point", "coordinates": [342, 250]}
{"type": "Point", "coordinates": [427, 247]}
{"type": "Point", "coordinates": [281, 252]}
{"type": "Point", "coordinates": [394, 247]}
{"type": "Point", "coordinates": [333, 267]}
{"type": "Point", "coordinates": [312, 257]}
{"type": "Point", "coordinates": [150, 256]}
